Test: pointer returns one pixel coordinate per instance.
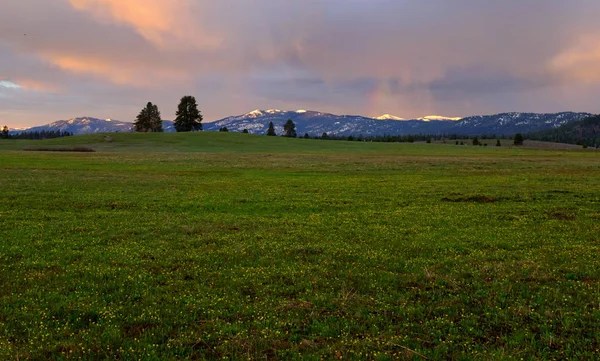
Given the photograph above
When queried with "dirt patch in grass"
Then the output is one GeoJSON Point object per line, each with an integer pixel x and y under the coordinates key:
{"type": "Point", "coordinates": [136, 329]}
{"type": "Point", "coordinates": [561, 215]}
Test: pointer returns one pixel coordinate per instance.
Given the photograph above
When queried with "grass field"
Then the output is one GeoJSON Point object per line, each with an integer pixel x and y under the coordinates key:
{"type": "Point", "coordinates": [211, 246]}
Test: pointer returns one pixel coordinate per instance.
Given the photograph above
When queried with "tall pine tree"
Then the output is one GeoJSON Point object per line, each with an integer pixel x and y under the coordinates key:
{"type": "Point", "coordinates": [5, 132]}
{"type": "Point", "coordinates": [289, 129]}
{"type": "Point", "coordinates": [149, 119]}
{"type": "Point", "coordinates": [271, 130]}
{"type": "Point", "coordinates": [188, 117]}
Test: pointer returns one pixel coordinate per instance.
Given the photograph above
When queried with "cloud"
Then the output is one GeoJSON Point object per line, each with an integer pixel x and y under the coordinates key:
{"type": "Point", "coordinates": [131, 73]}
{"type": "Point", "coordinates": [409, 58]}
{"type": "Point", "coordinates": [581, 61]}
{"type": "Point", "coordinates": [165, 23]}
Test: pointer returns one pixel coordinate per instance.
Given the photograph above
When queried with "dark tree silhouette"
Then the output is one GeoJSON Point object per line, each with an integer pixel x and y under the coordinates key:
{"type": "Point", "coordinates": [271, 130]}
{"type": "Point", "coordinates": [289, 129]}
{"type": "Point", "coordinates": [149, 120]}
{"type": "Point", "coordinates": [518, 139]}
{"type": "Point", "coordinates": [188, 117]}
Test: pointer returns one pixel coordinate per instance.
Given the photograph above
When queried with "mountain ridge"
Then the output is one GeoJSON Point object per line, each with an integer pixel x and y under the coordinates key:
{"type": "Point", "coordinates": [316, 123]}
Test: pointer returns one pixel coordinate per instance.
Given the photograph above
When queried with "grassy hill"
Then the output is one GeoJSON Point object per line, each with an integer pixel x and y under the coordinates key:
{"type": "Point", "coordinates": [213, 245]}
{"type": "Point", "coordinates": [221, 142]}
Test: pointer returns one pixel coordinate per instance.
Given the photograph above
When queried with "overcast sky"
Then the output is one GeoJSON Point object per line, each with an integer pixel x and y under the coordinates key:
{"type": "Point", "coordinates": [107, 58]}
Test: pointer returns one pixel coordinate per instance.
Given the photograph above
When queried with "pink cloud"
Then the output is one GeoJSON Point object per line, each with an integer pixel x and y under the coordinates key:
{"type": "Point", "coordinates": [167, 24]}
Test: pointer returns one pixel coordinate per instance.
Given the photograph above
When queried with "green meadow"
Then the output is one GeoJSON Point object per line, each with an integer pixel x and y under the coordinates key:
{"type": "Point", "coordinates": [232, 246]}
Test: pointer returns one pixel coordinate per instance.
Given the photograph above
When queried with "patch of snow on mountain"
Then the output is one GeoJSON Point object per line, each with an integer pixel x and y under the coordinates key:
{"type": "Point", "coordinates": [389, 117]}
{"type": "Point", "coordinates": [438, 117]}
{"type": "Point", "coordinates": [255, 113]}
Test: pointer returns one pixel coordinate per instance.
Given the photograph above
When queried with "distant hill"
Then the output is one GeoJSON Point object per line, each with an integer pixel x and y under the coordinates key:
{"type": "Point", "coordinates": [585, 131]}
{"type": "Point", "coordinates": [316, 123]}
{"type": "Point", "coordinates": [87, 125]}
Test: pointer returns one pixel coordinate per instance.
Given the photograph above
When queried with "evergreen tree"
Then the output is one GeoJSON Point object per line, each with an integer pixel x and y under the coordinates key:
{"type": "Point", "coordinates": [224, 129]}
{"type": "Point", "coordinates": [271, 130]}
{"type": "Point", "coordinates": [325, 136]}
{"type": "Point", "coordinates": [149, 120]}
{"type": "Point", "coordinates": [289, 129]}
{"type": "Point", "coordinates": [188, 117]}
{"type": "Point", "coordinates": [155, 119]}
{"type": "Point", "coordinates": [245, 131]}
{"type": "Point", "coordinates": [498, 144]}
{"type": "Point", "coordinates": [5, 132]}
{"type": "Point", "coordinates": [475, 141]}
{"type": "Point", "coordinates": [518, 139]}
{"type": "Point", "coordinates": [306, 136]}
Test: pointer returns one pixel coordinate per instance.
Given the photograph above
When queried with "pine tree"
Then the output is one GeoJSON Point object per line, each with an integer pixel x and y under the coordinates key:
{"type": "Point", "coordinates": [271, 130]}
{"type": "Point", "coordinates": [306, 136]}
{"type": "Point", "coordinates": [188, 117]}
{"type": "Point", "coordinates": [475, 141]}
{"type": "Point", "coordinates": [518, 139]}
{"type": "Point", "coordinates": [498, 144]}
{"type": "Point", "coordinates": [5, 132]}
{"type": "Point", "coordinates": [245, 131]}
{"type": "Point", "coordinates": [149, 120]}
{"type": "Point", "coordinates": [155, 119]}
{"type": "Point", "coordinates": [289, 129]}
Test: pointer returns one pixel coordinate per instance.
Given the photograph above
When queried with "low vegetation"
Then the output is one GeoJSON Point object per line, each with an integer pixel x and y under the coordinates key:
{"type": "Point", "coordinates": [59, 149]}
{"type": "Point", "coordinates": [227, 245]}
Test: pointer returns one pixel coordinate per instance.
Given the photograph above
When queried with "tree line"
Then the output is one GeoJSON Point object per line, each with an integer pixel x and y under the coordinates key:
{"type": "Point", "coordinates": [42, 134]}
{"type": "Point", "coordinates": [584, 132]}
{"type": "Point", "coordinates": [289, 130]}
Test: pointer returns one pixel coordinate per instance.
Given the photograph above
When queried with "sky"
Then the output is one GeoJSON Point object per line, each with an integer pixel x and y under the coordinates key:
{"type": "Point", "coordinates": [61, 59]}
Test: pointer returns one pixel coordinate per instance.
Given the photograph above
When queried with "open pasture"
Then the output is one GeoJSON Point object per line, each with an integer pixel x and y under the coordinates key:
{"type": "Point", "coordinates": [211, 246]}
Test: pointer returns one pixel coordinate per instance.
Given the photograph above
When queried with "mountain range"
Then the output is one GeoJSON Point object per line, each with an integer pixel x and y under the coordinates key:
{"type": "Point", "coordinates": [316, 123]}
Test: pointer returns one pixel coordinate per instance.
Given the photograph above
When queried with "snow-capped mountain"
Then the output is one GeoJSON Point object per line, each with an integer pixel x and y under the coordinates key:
{"type": "Point", "coordinates": [389, 117]}
{"type": "Point", "coordinates": [317, 123]}
{"type": "Point", "coordinates": [438, 117]}
{"type": "Point", "coordinates": [425, 119]}
{"type": "Point", "coordinates": [84, 125]}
